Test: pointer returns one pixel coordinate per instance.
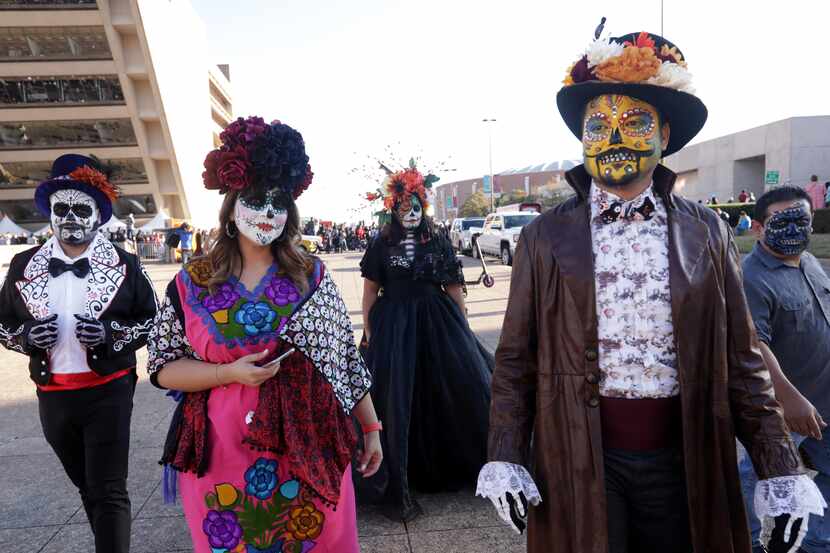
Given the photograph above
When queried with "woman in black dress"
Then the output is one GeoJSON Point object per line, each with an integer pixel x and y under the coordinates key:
{"type": "Point", "coordinates": [431, 376]}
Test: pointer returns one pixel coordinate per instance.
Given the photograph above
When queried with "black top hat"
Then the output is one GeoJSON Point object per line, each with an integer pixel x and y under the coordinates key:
{"type": "Point", "coordinates": [641, 65]}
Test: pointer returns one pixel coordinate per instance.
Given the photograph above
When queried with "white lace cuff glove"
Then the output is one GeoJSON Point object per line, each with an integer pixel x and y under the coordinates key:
{"type": "Point", "coordinates": [797, 496]}
{"type": "Point", "coordinates": [502, 483]}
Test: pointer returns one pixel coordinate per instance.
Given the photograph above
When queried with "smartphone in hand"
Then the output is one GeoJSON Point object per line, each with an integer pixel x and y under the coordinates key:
{"type": "Point", "coordinates": [280, 358]}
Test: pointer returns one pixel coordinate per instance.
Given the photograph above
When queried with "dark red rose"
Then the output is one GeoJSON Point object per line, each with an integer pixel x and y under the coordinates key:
{"type": "Point", "coordinates": [581, 73]}
{"type": "Point", "coordinates": [233, 169]}
{"type": "Point", "coordinates": [209, 176]}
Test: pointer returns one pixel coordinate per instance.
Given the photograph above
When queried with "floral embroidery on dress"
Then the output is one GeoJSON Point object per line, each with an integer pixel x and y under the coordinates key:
{"type": "Point", "coordinates": [637, 355]}
{"type": "Point", "coordinates": [233, 315]}
{"type": "Point", "coordinates": [265, 517]}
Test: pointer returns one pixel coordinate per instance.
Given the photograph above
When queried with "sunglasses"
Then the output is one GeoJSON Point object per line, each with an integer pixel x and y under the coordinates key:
{"type": "Point", "coordinates": [80, 210]}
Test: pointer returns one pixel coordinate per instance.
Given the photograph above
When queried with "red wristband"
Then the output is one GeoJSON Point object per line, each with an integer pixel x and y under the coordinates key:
{"type": "Point", "coordinates": [375, 426]}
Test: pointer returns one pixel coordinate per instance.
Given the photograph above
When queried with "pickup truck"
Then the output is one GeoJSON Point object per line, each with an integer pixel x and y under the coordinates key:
{"type": "Point", "coordinates": [501, 232]}
{"type": "Point", "coordinates": [463, 231]}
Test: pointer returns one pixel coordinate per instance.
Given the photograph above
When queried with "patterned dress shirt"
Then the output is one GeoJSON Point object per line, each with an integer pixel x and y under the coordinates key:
{"type": "Point", "coordinates": [637, 355]}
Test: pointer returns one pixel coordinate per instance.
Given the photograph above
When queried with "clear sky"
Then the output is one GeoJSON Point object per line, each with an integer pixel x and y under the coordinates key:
{"type": "Point", "coordinates": [357, 76]}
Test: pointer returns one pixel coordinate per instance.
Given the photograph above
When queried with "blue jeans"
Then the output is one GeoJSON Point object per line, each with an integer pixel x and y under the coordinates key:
{"type": "Point", "coordinates": [817, 539]}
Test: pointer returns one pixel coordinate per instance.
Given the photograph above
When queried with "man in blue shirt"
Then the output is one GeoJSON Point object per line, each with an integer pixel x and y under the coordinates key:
{"type": "Point", "coordinates": [185, 233]}
{"type": "Point", "coordinates": [788, 294]}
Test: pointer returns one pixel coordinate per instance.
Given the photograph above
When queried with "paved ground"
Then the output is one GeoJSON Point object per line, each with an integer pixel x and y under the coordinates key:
{"type": "Point", "coordinates": [41, 512]}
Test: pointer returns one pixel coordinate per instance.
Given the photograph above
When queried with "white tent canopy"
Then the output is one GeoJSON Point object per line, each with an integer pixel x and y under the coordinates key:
{"type": "Point", "coordinates": [44, 230]}
{"type": "Point", "coordinates": [7, 226]}
{"type": "Point", "coordinates": [112, 225]}
{"type": "Point", "coordinates": [159, 221]}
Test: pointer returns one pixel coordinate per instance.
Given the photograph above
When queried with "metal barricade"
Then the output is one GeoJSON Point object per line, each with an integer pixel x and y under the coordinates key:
{"type": "Point", "coordinates": [151, 250]}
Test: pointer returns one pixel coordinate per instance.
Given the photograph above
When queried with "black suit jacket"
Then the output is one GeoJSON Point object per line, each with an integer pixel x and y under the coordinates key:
{"type": "Point", "coordinates": [119, 293]}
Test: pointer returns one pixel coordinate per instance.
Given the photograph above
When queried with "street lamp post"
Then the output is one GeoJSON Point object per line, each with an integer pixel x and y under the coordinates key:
{"type": "Point", "coordinates": [490, 155]}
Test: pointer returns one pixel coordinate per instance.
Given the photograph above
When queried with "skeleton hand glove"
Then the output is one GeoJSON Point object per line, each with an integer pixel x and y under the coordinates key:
{"type": "Point", "coordinates": [783, 534]}
{"type": "Point", "coordinates": [784, 505]}
{"type": "Point", "coordinates": [43, 334]}
{"type": "Point", "coordinates": [510, 488]}
{"type": "Point", "coordinates": [90, 332]}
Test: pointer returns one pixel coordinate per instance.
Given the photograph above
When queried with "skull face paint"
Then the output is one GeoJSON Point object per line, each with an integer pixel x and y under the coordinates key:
{"type": "Point", "coordinates": [621, 139]}
{"type": "Point", "coordinates": [74, 216]}
{"type": "Point", "coordinates": [410, 212]}
{"type": "Point", "coordinates": [787, 232]}
{"type": "Point", "coordinates": [260, 215]}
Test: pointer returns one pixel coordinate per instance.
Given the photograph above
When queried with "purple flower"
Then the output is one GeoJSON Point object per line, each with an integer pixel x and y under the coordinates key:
{"type": "Point", "coordinates": [281, 291]}
{"type": "Point", "coordinates": [224, 298]}
{"type": "Point", "coordinates": [242, 132]}
{"type": "Point", "coordinates": [222, 529]}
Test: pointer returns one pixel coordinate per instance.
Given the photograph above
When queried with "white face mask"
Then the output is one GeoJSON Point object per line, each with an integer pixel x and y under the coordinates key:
{"type": "Point", "coordinates": [411, 213]}
{"type": "Point", "coordinates": [74, 216]}
{"type": "Point", "coordinates": [260, 217]}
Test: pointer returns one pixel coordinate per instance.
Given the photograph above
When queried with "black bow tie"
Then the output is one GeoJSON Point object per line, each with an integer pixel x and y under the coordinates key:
{"type": "Point", "coordinates": [80, 268]}
{"type": "Point", "coordinates": [628, 211]}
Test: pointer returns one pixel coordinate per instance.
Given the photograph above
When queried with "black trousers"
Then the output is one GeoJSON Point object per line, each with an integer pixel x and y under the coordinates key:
{"type": "Point", "coordinates": [89, 430]}
{"type": "Point", "coordinates": [647, 507]}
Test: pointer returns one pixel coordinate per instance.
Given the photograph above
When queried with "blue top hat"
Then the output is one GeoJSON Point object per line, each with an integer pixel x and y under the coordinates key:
{"type": "Point", "coordinates": [60, 180]}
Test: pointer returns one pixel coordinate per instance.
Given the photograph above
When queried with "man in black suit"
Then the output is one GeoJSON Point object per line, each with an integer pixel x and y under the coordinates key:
{"type": "Point", "coordinates": [79, 308]}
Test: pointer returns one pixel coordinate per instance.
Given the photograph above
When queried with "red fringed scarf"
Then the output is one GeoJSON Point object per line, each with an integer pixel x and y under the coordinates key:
{"type": "Point", "coordinates": [298, 418]}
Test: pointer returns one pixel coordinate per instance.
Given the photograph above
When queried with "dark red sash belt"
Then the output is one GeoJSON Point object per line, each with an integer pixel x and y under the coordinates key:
{"type": "Point", "coordinates": [640, 424]}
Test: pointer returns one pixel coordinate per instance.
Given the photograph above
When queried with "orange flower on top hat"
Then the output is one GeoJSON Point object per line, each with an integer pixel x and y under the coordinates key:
{"type": "Point", "coordinates": [636, 64]}
{"type": "Point", "coordinates": [97, 180]}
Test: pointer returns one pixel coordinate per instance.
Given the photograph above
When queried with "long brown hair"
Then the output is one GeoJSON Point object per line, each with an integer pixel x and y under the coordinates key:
{"type": "Point", "coordinates": [226, 259]}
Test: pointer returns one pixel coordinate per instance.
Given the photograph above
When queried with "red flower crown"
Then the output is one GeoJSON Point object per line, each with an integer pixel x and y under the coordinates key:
{"type": "Point", "coordinates": [402, 184]}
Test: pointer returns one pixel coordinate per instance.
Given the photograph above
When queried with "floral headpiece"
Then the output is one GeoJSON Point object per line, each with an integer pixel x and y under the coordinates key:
{"type": "Point", "coordinates": [94, 178]}
{"type": "Point", "coordinates": [255, 153]}
{"type": "Point", "coordinates": [402, 184]}
{"type": "Point", "coordinates": [639, 61]}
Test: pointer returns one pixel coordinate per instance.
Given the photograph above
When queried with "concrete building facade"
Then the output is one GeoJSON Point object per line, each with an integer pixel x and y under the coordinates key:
{"type": "Point", "coordinates": [787, 151]}
{"type": "Point", "coordinates": [128, 81]}
{"type": "Point", "coordinates": [542, 179]}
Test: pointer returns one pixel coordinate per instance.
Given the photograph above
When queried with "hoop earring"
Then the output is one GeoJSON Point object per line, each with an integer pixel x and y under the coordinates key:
{"type": "Point", "coordinates": [230, 230]}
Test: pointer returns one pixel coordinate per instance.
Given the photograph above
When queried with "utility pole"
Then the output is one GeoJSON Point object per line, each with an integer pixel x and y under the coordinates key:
{"type": "Point", "coordinates": [490, 156]}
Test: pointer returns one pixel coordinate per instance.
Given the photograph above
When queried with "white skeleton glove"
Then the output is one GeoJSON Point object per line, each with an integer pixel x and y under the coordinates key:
{"type": "Point", "coordinates": [43, 334]}
{"type": "Point", "coordinates": [510, 488]}
{"type": "Point", "coordinates": [90, 331]}
{"type": "Point", "coordinates": [784, 505]}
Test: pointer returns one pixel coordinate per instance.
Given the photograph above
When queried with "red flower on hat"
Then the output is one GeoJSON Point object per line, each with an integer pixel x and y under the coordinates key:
{"type": "Point", "coordinates": [95, 179]}
{"type": "Point", "coordinates": [643, 40]}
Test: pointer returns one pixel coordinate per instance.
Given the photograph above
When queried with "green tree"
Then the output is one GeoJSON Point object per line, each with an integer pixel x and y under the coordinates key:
{"type": "Point", "coordinates": [477, 205]}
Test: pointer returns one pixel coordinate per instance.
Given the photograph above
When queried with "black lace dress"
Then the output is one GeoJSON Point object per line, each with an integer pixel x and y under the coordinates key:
{"type": "Point", "coordinates": [431, 377]}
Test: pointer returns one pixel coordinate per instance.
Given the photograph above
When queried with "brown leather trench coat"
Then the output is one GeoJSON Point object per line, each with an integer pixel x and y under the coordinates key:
{"type": "Point", "coordinates": [544, 411]}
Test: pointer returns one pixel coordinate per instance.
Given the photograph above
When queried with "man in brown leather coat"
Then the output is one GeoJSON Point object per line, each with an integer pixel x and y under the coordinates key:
{"type": "Point", "coordinates": [628, 363]}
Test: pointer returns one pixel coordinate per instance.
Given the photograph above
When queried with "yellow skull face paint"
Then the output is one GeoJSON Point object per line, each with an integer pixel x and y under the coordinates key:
{"type": "Point", "coordinates": [621, 139]}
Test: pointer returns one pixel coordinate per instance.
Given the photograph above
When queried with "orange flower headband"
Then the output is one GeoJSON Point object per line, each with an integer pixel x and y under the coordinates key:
{"type": "Point", "coordinates": [638, 62]}
{"type": "Point", "coordinates": [97, 180]}
{"type": "Point", "coordinates": [403, 184]}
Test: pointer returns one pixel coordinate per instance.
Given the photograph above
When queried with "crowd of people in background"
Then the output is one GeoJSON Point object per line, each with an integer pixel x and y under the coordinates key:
{"type": "Point", "coordinates": [340, 238]}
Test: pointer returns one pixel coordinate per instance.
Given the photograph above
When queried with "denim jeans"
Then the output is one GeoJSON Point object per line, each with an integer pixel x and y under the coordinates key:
{"type": "Point", "coordinates": [817, 539]}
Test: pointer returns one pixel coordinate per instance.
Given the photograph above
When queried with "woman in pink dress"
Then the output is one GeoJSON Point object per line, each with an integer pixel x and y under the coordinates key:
{"type": "Point", "coordinates": [256, 344]}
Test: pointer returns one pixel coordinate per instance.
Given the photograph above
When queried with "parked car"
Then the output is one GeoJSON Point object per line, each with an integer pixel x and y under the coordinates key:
{"type": "Point", "coordinates": [501, 233]}
{"type": "Point", "coordinates": [464, 231]}
{"type": "Point", "coordinates": [310, 243]}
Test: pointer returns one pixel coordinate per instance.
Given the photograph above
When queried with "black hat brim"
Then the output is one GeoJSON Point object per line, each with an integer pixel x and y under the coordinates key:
{"type": "Point", "coordinates": [685, 112]}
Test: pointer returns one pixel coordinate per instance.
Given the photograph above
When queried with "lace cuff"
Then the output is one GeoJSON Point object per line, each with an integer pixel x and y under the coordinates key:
{"type": "Point", "coordinates": [498, 478]}
{"type": "Point", "coordinates": [797, 496]}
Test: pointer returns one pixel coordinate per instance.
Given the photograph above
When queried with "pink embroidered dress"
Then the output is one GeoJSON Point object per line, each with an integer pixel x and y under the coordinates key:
{"type": "Point", "coordinates": [267, 482]}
